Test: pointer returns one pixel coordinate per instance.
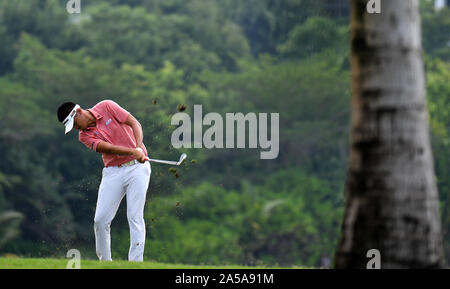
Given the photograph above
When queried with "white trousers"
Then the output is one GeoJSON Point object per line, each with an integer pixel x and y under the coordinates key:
{"type": "Point", "coordinates": [117, 182]}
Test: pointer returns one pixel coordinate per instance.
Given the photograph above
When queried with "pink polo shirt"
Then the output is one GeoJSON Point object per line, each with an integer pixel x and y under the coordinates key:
{"type": "Point", "coordinates": [110, 127]}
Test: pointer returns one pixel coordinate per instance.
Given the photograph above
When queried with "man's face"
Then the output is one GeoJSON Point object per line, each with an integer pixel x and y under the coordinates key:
{"type": "Point", "coordinates": [80, 120]}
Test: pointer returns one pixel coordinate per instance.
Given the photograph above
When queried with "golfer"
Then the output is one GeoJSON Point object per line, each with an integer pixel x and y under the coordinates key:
{"type": "Point", "coordinates": [112, 131]}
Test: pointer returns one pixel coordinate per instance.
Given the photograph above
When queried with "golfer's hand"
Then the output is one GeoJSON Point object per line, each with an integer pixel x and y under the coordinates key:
{"type": "Point", "coordinates": [139, 155]}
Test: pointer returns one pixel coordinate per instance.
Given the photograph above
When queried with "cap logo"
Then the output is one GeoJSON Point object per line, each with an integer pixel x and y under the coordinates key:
{"type": "Point", "coordinates": [72, 113]}
{"type": "Point", "coordinates": [68, 121]}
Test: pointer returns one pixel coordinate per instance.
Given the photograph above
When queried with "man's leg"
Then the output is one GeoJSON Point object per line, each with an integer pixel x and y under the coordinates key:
{"type": "Point", "coordinates": [136, 190]}
{"type": "Point", "coordinates": [110, 194]}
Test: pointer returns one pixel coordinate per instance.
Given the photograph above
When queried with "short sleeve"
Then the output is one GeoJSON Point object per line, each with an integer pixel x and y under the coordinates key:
{"type": "Point", "coordinates": [88, 140]}
{"type": "Point", "coordinates": [119, 113]}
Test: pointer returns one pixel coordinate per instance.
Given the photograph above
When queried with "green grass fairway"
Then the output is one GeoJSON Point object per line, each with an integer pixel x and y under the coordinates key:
{"type": "Point", "coordinates": [29, 263]}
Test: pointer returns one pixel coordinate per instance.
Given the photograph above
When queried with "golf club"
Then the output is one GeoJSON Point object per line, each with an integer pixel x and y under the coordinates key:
{"type": "Point", "coordinates": [174, 163]}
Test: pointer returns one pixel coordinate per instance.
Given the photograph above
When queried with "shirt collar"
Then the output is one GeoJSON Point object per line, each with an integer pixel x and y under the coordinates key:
{"type": "Point", "coordinates": [95, 113]}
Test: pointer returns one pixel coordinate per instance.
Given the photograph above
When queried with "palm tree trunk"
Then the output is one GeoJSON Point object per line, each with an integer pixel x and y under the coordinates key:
{"type": "Point", "coordinates": [392, 202]}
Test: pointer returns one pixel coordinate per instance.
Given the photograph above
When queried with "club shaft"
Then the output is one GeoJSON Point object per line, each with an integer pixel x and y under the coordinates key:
{"type": "Point", "coordinates": [174, 163]}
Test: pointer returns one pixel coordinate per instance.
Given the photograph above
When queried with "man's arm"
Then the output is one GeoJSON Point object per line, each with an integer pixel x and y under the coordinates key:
{"type": "Point", "coordinates": [107, 148]}
{"type": "Point", "coordinates": [137, 129]}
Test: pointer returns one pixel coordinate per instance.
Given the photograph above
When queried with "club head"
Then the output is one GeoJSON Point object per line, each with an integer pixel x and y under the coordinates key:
{"type": "Point", "coordinates": [182, 158]}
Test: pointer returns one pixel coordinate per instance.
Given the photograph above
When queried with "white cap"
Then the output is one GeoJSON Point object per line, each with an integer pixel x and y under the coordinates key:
{"type": "Point", "coordinates": [68, 121]}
